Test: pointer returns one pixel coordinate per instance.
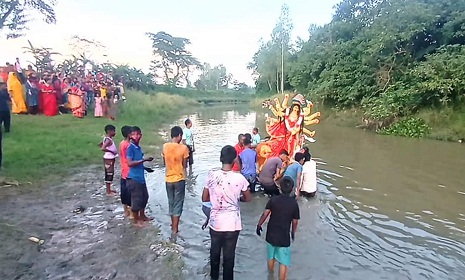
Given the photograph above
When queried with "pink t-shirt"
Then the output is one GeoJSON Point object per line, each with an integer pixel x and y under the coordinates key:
{"type": "Point", "coordinates": [225, 189]}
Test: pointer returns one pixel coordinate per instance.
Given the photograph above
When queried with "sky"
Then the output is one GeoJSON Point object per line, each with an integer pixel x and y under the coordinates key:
{"type": "Point", "coordinates": [221, 32]}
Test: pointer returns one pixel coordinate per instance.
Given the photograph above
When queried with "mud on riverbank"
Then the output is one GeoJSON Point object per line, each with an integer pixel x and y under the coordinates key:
{"type": "Point", "coordinates": [86, 235]}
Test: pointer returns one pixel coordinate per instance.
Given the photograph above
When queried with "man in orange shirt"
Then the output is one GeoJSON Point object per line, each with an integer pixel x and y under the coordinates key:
{"type": "Point", "coordinates": [175, 156]}
{"type": "Point", "coordinates": [239, 147]}
{"type": "Point", "coordinates": [124, 192]}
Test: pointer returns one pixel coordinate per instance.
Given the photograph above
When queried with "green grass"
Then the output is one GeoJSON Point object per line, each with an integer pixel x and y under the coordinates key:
{"type": "Point", "coordinates": [446, 124]}
{"type": "Point", "coordinates": [40, 147]}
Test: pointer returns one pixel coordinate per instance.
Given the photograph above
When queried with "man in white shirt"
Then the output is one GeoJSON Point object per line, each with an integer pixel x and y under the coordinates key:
{"type": "Point", "coordinates": [309, 185]}
{"type": "Point", "coordinates": [188, 140]}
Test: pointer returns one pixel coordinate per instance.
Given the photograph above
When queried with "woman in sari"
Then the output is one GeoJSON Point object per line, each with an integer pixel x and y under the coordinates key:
{"type": "Point", "coordinates": [286, 134]}
{"type": "Point", "coordinates": [50, 104]}
{"type": "Point", "coordinates": [32, 95]}
{"type": "Point", "coordinates": [16, 91]}
{"type": "Point", "coordinates": [76, 102]}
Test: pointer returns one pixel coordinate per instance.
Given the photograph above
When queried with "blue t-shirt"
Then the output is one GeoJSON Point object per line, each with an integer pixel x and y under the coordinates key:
{"type": "Point", "coordinates": [249, 160]}
{"type": "Point", "coordinates": [292, 171]}
{"type": "Point", "coordinates": [136, 173]}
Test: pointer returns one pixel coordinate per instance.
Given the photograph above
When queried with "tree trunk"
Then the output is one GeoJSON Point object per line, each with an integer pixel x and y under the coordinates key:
{"type": "Point", "coordinates": [282, 68]}
{"type": "Point", "coordinates": [269, 85]}
{"type": "Point", "coordinates": [277, 80]}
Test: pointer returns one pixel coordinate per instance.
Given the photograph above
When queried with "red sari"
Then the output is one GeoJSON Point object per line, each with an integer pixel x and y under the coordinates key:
{"type": "Point", "coordinates": [282, 138]}
{"type": "Point", "coordinates": [49, 100]}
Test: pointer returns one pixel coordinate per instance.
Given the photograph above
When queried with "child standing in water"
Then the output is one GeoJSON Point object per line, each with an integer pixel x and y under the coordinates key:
{"type": "Point", "coordinates": [111, 153]}
{"type": "Point", "coordinates": [284, 211]}
{"type": "Point", "coordinates": [136, 178]}
{"type": "Point", "coordinates": [124, 192]}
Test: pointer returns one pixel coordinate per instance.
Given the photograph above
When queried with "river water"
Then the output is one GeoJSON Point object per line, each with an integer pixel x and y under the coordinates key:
{"type": "Point", "coordinates": [386, 208]}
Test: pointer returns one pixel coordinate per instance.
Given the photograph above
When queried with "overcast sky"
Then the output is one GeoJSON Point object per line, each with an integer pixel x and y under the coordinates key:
{"type": "Point", "coordinates": [225, 32]}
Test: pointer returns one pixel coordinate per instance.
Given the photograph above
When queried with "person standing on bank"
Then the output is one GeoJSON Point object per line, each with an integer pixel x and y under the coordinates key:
{"type": "Point", "coordinates": [223, 189]}
{"type": "Point", "coordinates": [188, 140]}
{"type": "Point", "coordinates": [175, 156]}
{"type": "Point", "coordinates": [5, 115]}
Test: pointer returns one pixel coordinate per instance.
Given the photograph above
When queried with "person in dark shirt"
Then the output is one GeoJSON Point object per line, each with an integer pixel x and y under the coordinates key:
{"type": "Point", "coordinates": [5, 116]}
{"type": "Point", "coordinates": [284, 211]}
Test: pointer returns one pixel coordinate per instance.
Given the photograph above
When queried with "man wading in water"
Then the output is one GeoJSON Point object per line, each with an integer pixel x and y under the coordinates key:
{"type": "Point", "coordinates": [175, 156]}
{"type": "Point", "coordinates": [223, 189]}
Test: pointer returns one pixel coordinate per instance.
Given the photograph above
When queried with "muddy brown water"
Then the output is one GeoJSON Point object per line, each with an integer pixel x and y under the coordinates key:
{"type": "Point", "coordinates": [387, 207]}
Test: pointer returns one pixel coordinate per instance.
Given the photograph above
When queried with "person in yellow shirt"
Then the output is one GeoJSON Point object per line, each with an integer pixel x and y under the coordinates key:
{"type": "Point", "coordinates": [175, 156]}
{"type": "Point", "coordinates": [16, 91]}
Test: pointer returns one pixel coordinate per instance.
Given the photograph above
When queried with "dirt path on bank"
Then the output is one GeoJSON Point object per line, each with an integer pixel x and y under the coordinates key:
{"type": "Point", "coordinates": [85, 234]}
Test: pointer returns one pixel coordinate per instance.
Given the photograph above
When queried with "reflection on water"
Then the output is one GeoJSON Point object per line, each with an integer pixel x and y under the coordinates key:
{"type": "Point", "coordinates": [387, 207]}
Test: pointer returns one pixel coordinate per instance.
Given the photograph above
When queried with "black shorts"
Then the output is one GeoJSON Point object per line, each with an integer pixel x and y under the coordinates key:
{"type": "Point", "coordinates": [307, 194]}
{"type": "Point", "coordinates": [125, 193]}
{"type": "Point", "coordinates": [190, 160]}
{"type": "Point", "coordinates": [109, 165]}
{"type": "Point", "coordinates": [139, 195]}
{"type": "Point", "coordinates": [271, 190]}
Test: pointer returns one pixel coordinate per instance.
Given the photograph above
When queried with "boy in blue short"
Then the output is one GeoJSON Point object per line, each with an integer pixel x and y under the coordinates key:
{"type": "Point", "coordinates": [283, 211]}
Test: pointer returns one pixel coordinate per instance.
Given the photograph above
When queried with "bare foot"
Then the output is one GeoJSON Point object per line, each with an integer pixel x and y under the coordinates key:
{"type": "Point", "coordinates": [145, 218]}
{"type": "Point", "coordinates": [111, 194]}
{"type": "Point", "coordinates": [131, 217]}
{"type": "Point", "coordinates": [113, 191]}
{"type": "Point", "coordinates": [139, 224]}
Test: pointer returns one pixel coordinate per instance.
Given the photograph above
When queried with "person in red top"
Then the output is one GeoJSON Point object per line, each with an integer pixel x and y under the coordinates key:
{"type": "Point", "coordinates": [125, 193]}
{"type": "Point", "coordinates": [239, 147]}
{"type": "Point", "coordinates": [50, 104]}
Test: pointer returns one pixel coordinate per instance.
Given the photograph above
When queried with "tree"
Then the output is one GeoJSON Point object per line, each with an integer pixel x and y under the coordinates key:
{"type": "Point", "coordinates": [14, 15]}
{"type": "Point", "coordinates": [215, 78]}
{"type": "Point", "coordinates": [281, 37]}
{"type": "Point", "coordinates": [172, 58]}
{"type": "Point", "coordinates": [271, 60]}
{"type": "Point", "coordinates": [43, 60]}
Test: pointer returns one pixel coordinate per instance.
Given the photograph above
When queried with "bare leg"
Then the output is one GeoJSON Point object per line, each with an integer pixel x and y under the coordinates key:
{"type": "Point", "coordinates": [282, 272]}
{"type": "Point", "coordinates": [175, 224]}
{"type": "Point", "coordinates": [108, 187]}
{"type": "Point", "coordinates": [137, 220]}
{"type": "Point", "coordinates": [271, 265]}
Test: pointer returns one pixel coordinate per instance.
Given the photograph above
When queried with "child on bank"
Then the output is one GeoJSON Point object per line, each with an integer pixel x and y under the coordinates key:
{"type": "Point", "coordinates": [136, 178]}
{"type": "Point", "coordinates": [283, 211]}
{"type": "Point", "coordinates": [124, 192]}
{"type": "Point", "coordinates": [110, 154]}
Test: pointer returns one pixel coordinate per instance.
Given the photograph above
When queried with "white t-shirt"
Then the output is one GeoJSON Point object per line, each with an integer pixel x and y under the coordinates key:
{"type": "Point", "coordinates": [309, 176]}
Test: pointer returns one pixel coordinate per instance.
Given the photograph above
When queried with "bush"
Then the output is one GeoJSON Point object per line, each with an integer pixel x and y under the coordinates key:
{"type": "Point", "coordinates": [408, 127]}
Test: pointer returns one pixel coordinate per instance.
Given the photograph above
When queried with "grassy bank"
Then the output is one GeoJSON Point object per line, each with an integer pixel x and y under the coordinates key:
{"type": "Point", "coordinates": [40, 147]}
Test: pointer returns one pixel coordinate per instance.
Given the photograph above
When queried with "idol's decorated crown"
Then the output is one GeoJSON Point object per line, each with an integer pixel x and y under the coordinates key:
{"type": "Point", "coordinates": [299, 99]}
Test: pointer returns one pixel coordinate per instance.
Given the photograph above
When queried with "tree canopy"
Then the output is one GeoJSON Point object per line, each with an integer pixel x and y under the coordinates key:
{"type": "Point", "coordinates": [16, 14]}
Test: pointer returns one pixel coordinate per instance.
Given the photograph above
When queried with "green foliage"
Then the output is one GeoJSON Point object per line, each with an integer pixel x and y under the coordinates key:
{"type": "Point", "coordinates": [408, 127]}
{"type": "Point", "coordinates": [14, 15]}
{"type": "Point", "coordinates": [391, 58]}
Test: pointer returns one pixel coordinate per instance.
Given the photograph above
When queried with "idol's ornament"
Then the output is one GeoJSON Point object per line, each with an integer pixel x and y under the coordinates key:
{"type": "Point", "coordinates": [288, 126]}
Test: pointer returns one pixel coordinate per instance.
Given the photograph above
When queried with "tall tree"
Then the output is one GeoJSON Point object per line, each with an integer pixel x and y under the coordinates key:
{"type": "Point", "coordinates": [281, 37]}
{"type": "Point", "coordinates": [14, 15]}
{"type": "Point", "coordinates": [171, 57]}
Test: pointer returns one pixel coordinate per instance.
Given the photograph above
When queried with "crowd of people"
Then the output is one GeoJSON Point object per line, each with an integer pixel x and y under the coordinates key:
{"type": "Point", "coordinates": [52, 93]}
{"type": "Point", "coordinates": [283, 179]}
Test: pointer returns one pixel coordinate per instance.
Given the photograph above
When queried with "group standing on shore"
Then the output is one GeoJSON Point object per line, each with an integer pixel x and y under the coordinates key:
{"type": "Point", "coordinates": [225, 188]}
{"type": "Point", "coordinates": [52, 93]}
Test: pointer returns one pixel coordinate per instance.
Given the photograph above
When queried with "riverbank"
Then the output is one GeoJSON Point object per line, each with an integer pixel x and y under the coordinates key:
{"type": "Point", "coordinates": [84, 233]}
{"type": "Point", "coordinates": [445, 124]}
{"type": "Point", "coordinates": [43, 149]}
